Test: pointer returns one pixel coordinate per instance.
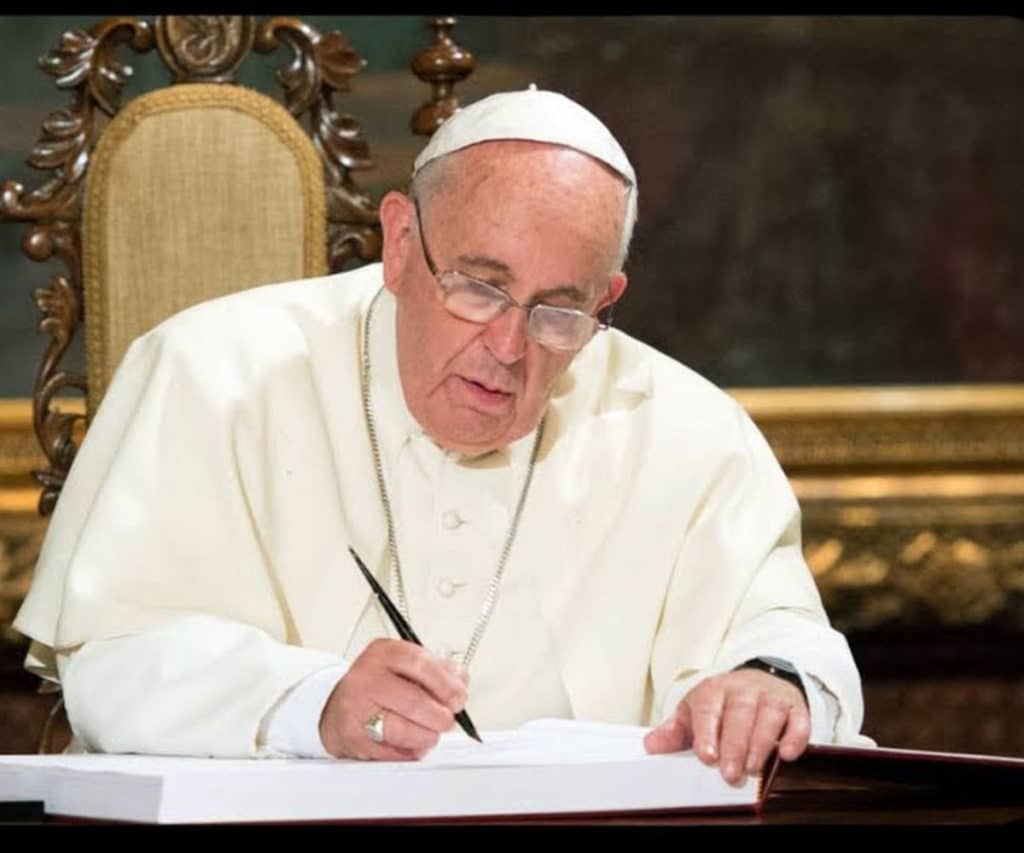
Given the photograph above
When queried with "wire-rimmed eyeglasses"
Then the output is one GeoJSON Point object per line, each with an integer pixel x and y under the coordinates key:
{"type": "Point", "coordinates": [468, 298]}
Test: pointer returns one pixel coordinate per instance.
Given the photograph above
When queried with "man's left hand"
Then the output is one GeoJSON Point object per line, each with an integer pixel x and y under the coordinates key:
{"type": "Point", "coordinates": [735, 720]}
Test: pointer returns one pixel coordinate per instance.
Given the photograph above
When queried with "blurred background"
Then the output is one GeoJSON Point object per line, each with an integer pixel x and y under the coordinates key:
{"type": "Point", "coordinates": [823, 200]}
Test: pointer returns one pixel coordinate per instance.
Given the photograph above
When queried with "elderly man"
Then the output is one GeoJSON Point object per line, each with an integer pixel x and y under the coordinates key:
{"type": "Point", "coordinates": [575, 524]}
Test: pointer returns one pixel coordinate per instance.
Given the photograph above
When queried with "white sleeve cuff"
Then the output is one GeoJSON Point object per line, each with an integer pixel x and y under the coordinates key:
{"type": "Point", "coordinates": [293, 725]}
{"type": "Point", "coordinates": [823, 708]}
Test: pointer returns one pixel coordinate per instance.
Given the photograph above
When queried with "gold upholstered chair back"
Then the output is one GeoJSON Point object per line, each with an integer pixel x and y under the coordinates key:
{"type": "Point", "coordinates": [192, 190]}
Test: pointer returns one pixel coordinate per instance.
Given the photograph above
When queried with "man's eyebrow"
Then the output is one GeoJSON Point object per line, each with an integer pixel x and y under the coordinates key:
{"type": "Point", "coordinates": [572, 292]}
{"type": "Point", "coordinates": [486, 262]}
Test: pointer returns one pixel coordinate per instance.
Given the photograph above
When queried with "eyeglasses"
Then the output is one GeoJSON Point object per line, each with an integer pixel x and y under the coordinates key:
{"type": "Point", "coordinates": [468, 298]}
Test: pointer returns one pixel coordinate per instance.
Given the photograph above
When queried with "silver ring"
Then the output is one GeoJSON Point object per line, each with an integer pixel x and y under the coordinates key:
{"type": "Point", "coordinates": [375, 727]}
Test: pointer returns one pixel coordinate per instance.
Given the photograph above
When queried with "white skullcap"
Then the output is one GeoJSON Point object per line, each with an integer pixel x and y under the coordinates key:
{"type": "Point", "coordinates": [531, 114]}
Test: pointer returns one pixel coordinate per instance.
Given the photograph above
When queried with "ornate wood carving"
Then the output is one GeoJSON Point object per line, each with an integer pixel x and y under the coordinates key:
{"type": "Point", "coordinates": [21, 535]}
{"type": "Point", "coordinates": [204, 48]}
{"type": "Point", "coordinates": [320, 67]}
{"type": "Point", "coordinates": [442, 65]}
{"type": "Point", "coordinates": [917, 553]}
{"type": "Point", "coordinates": [897, 441]}
{"type": "Point", "coordinates": [852, 429]}
{"type": "Point", "coordinates": [938, 575]}
{"type": "Point", "coordinates": [84, 63]}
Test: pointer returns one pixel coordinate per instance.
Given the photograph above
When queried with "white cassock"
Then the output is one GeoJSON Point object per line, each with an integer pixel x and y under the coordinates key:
{"type": "Point", "coordinates": [196, 567]}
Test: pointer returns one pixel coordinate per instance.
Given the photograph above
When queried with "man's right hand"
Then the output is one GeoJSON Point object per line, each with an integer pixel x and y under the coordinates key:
{"type": "Point", "coordinates": [417, 695]}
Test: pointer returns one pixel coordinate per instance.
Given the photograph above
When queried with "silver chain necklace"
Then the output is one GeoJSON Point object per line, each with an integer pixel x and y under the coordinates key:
{"type": "Point", "coordinates": [492, 592]}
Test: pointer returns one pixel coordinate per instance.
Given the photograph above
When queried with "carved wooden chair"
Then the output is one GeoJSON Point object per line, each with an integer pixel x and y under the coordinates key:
{"type": "Point", "coordinates": [190, 191]}
{"type": "Point", "coordinates": [193, 190]}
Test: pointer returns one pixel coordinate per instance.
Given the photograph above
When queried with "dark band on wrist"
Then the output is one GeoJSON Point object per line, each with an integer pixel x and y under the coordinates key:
{"type": "Point", "coordinates": [779, 668]}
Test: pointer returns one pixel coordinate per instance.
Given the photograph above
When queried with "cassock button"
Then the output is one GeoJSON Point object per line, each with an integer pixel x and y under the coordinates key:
{"type": "Point", "coordinates": [446, 587]}
{"type": "Point", "coordinates": [451, 519]}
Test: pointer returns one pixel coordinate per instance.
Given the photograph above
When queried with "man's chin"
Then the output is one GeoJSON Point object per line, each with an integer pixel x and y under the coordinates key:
{"type": "Point", "coordinates": [473, 440]}
{"type": "Point", "coordinates": [470, 450]}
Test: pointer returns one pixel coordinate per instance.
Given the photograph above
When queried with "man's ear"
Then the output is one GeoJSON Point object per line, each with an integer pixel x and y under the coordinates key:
{"type": "Point", "coordinates": [616, 287]}
{"type": "Point", "coordinates": [396, 212]}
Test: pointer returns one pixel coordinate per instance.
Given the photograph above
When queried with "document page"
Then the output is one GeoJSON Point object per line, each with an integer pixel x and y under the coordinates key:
{"type": "Point", "coordinates": [541, 742]}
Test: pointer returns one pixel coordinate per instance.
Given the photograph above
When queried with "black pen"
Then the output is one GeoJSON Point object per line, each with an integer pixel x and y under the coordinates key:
{"type": "Point", "coordinates": [406, 633]}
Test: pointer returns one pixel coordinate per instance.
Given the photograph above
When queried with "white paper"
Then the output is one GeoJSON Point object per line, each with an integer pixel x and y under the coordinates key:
{"type": "Point", "coordinates": [545, 767]}
{"type": "Point", "coordinates": [540, 742]}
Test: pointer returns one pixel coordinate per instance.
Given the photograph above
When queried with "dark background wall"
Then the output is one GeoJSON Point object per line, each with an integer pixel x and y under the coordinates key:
{"type": "Point", "coordinates": [823, 200]}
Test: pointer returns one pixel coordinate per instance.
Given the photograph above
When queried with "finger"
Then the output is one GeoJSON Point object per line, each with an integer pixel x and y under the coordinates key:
{"type": "Point", "coordinates": [458, 671]}
{"type": "Point", "coordinates": [404, 735]}
{"type": "Point", "coordinates": [798, 733]}
{"type": "Point", "coordinates": [706, 717]}
{"type": "Point", "coordinates": [772, 714]}
{"type": "Point", "coordinates": [411, 701]}
{"type": "Point", "coordinates": [416, 664]}
{"type": "Point", "coordinates": [364, 749]}
{"type": "Point", "coordinates": [737, 725]}
{"type": "Point", "coordinates": [383, 752]}
{"type": "Point", "coordinates": [672, 735]}
{"type": "Point", "coordinates": [367, 750]}
{"type": "Point", "coordinates": [355, 740]}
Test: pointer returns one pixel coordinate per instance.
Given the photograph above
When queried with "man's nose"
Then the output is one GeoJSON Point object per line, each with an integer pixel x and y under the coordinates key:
{"type": "Point", "coordinates": [505, 335]}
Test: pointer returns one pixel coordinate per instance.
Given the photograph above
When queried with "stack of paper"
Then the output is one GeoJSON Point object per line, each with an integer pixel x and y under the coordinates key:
{"type": "Point", "coordinates": [545, 767]}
